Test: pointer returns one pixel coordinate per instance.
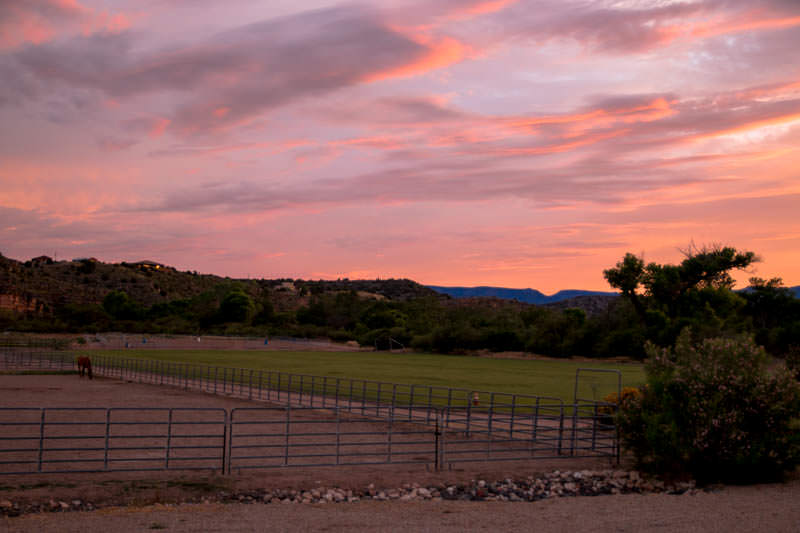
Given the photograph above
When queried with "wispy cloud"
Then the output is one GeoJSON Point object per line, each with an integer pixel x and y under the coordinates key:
{"type": "Point", "coordinates": [466, 141]}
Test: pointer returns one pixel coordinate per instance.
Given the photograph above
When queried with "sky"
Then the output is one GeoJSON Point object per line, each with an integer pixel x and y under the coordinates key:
{"type": "Point", "coordinates": [512, 143]}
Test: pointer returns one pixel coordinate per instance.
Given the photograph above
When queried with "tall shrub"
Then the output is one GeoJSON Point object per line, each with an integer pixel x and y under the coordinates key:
{"type": "Point", "coordinates": [714, 411]}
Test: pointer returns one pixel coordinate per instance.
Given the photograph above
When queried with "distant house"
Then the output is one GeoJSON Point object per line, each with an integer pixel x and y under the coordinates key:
{"type": "Point", "coordinates": [41, 260]}
{"type": "Point", "coordinates": [148, 265]}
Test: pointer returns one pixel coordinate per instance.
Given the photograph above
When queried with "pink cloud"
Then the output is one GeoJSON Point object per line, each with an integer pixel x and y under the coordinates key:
{"type": "Point", "coordinates": [39, 21]}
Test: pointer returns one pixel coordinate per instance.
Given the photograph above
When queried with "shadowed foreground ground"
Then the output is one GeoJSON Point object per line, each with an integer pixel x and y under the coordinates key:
{"type": "Point", "coordinates": [771, 508]}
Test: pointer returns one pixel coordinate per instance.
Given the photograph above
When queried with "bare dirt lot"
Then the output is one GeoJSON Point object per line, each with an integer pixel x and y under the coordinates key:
{"type": "Point", "coordinates": [126, 499]}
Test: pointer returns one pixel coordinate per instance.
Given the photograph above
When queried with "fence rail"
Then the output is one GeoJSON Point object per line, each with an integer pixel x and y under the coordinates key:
{"type": "Point", "coordinates": [100, 439]}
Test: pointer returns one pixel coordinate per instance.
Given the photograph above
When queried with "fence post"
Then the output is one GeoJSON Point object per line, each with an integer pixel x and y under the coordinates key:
{"type": "Point", "coordinates": [302, 387]}
{"type": "Point", "coordinates": [41, 439]}
{"type": "Point", "coordinates": [491, 414]}
{"type": "Point", "coordinates": [227, 440]}
{"type": "Point", "coordinates": [169, 439]}
{"type": "Point", "coordinates": [338, 434]}
{"type": "Point", "coordinates": [394, 399]}
{"type": "Point", "coordinates": [286, 441]}
{"type": "Point", "coordinates": [436, 434]}
{"type": "Point", "coordinates": [449, 405]}
{"type": "Point", "coordinates": [511, 424]}
{"type": "Point", "coordinates": [574, 428]}
{"type": "Point", "coordinates": [363, 396]}
{"type": "Point", "coordinates": [469, 414]}
{"type": "Point", "coordinates": [378, 400]}
{"type": "Point", "coordinates": [389, 441]}
{"type": "Point", "coordinates": [105, 446]}
{"type": "Point", "coordinates": [410, 401]}
{"type": "Point", "coordinates": [350, 398]}
{"type": "Point", "coordinates": [430, 402]}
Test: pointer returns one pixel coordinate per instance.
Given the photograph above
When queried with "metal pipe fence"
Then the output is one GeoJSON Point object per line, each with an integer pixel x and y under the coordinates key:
{"type": "Point", "coordinates": [365, 397]}
{"type": "Point", "coordinates": [26, 360]}
{"type": "Point", "coordinates": [473, 420]}
{"type": "Point", "coordinates": [102, 439]}
{"type": "Point", "coordinates": [299, 437]}
{"type": "Point", "coordinates": [99, 439]}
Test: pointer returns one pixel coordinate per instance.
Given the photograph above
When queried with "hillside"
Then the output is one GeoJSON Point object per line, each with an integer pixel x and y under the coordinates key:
{"type": "Point", "coordinates": [41, 285]}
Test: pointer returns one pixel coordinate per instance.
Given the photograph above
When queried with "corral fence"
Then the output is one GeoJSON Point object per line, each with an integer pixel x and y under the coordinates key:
{"type": "Point", "coordinates": [475, 425]}
{"type": "Point", "coordinates": [92, 439]}
{"type": "Point", "coordinates": [66, 440]}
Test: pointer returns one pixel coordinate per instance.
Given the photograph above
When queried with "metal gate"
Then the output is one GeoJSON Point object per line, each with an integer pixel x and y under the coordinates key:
{"type": "Point", "coordinates": [69, 439]}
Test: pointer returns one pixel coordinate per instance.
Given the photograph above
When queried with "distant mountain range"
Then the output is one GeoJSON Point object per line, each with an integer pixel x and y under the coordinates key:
{"type": "Point", "coordinates": [529, 296]}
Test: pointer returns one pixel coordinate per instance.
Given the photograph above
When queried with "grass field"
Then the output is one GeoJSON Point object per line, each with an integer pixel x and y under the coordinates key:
{"type": "Point", "coordinates": [518, 376]}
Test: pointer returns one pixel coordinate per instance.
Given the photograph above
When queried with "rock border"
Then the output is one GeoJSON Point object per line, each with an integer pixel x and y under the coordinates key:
{"type": "Point", "coordinates": [555, 484]}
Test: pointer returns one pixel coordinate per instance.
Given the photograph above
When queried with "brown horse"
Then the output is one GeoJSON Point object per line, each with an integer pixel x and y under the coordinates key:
{"type": "Point", "coordinates": [84, 365]}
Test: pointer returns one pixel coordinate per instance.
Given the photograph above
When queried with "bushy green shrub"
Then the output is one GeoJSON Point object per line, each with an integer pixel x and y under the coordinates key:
{"type": "Point", "coordinates": [793, 361]}
{"type": "Point", "coordinates": [714, 411]}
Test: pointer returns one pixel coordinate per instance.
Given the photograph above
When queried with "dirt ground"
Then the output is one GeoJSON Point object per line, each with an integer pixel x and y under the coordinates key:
{"type": "Point", "coordinates": [127, 499]}
{"type": "Point", "coordinates": [772, 508]}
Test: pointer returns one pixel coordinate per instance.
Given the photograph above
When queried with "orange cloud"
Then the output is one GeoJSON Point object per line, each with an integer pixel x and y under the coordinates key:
{"type": "Point", "coordinates": [482, 8]}
{"type": "Point", "coordinates": [701, 31]}
{"type": "Point", "coordinates": [563, 147]}
{"type": "Point", "coordinates": [438, 54]}
{"type": "Point", "coordinates": [654, 110]}
{"type": "Point", "coordinates": [748, 126]}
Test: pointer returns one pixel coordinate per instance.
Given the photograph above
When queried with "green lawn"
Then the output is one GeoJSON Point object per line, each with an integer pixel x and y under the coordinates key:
{"type": "Point", "coordinates": [518, 376]}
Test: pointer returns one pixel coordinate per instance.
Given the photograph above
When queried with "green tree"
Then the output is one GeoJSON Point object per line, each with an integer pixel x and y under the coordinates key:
{"type": "Point", "coordinates": [236, 306]}
{"type": "Point", "coordinates": [120, 306]}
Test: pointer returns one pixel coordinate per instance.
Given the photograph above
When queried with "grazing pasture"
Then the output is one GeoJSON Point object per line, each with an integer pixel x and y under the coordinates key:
{"type": "Point", "coordinates": [543, 377]}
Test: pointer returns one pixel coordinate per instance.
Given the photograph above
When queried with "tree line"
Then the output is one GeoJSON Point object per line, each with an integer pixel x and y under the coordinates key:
{"type": "Point", "coordinates": [657, 302]}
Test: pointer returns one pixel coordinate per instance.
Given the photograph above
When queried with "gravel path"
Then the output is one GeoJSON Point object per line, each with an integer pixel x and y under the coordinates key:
{"type": "Point", "coordinates": [772, 508]}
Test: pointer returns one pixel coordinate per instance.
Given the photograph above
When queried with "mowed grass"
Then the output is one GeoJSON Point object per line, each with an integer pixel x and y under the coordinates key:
{"type": "Point", "coordinates": [541, 377]}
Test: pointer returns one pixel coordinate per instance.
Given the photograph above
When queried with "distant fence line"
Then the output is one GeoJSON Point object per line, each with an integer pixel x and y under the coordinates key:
{"type": "Point", "coordinates": [573, 429]}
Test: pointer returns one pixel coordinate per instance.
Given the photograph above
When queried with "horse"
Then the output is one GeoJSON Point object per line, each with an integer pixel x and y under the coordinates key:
{"type": "Point", "coordinates": [84, 365]}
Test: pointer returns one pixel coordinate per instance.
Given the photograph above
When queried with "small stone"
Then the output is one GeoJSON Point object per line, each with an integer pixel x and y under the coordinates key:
{"type": "Point", "coordinates": [63, 505]}
{"type": "Point", "coordinates": [5, 504]}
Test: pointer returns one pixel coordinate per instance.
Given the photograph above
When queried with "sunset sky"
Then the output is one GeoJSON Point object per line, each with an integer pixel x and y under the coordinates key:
{"type": "Point", "coordinates": [454, 142]}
